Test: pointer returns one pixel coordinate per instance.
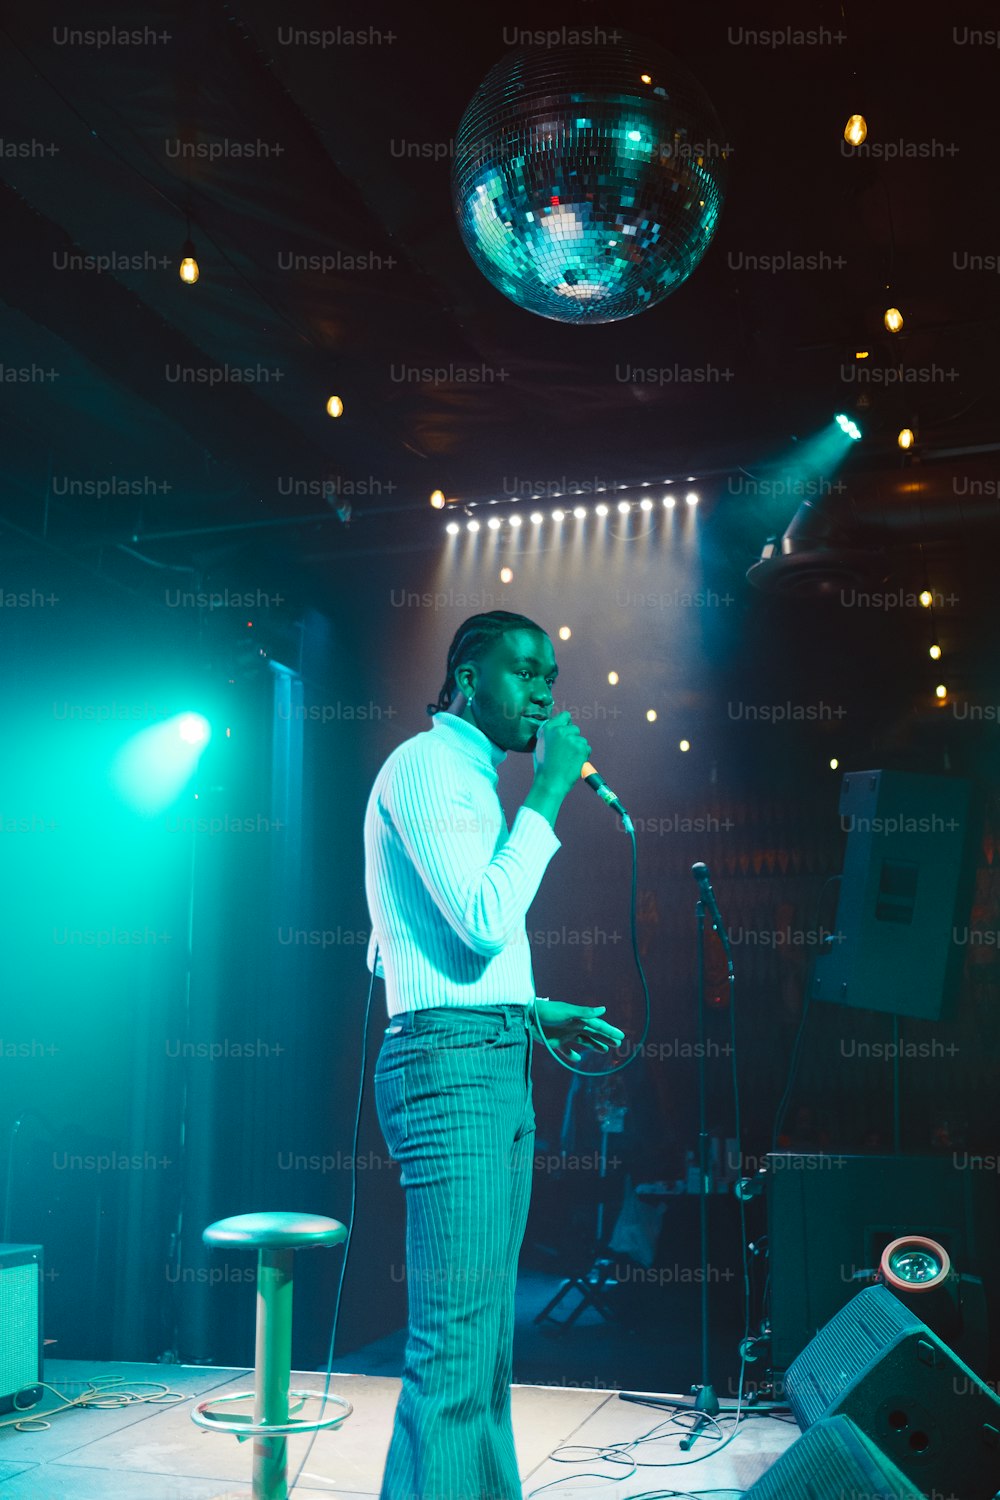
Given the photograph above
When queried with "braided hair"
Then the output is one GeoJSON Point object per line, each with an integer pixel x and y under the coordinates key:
{"type": "Point", "coordinates": [473, 640]}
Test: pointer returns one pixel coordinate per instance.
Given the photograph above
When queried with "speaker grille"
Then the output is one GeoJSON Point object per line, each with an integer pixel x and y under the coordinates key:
{"type": "Point", "coordinates": [872, 1322]}
{"type": "Point", "coordinates": [19, 1324]}
{"type": "Point", "coordinates": [833, 1461]}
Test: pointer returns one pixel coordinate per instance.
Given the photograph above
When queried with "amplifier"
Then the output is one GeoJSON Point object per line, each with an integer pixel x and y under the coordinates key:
{"type": "Point", "coordinates": [21, 1336]}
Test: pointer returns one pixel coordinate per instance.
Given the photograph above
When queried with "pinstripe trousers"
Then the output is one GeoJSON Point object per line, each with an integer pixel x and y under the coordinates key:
{"type": "Point", "coordinates": [453, 1094]}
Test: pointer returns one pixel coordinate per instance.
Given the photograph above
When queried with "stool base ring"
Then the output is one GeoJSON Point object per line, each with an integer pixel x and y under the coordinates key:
{"type": "Point", "coordinates": [243, 1426]}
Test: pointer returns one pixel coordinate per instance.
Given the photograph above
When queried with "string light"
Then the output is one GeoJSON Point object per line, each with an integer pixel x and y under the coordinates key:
{"type": "Point", "coordinates": [188, 270]}
{"type": "Point", "coordinates": [651, 715]}
{"type": "Point", "coordinates": [613, 678]}
{"type": "Point", "coordinates": [935, 652]}
{"type": "Point", "coordinates": [926, 598]}
{"type": "Point", "coordinates": [685, 746]}
{"type": "Point", "coordinates": [941, 691]}
{"type": "Point", "coordinates": [856, 130]}
{"type": "Point", "coordinates": [834, 763]}
{"type": "Point", "coordinates": [893, 319]}
{"type": "Point", "coordinates": [335, 407]}
{"type": "Point", "coordinates": [905, 437]}
{"type": "Point", "coordinates": [437, 499]}
{"type": "Point", "coordinates": [506, 575]}
{"type": "Point", "coordinates": [564, 632]}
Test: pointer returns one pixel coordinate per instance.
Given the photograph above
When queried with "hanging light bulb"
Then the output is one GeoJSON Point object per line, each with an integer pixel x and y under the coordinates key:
{"type": "Point", "coordinates": [926, 598]}
{"type": "Point", "coordinates": [188, 269]}
{"type": "Point", "coordinates": [437, 499]}
{"type": "Point", "coordinates": [905, 437]}
{"type": "Point", "coordinates": [335, 407]}
{"type": "Point", "coordinates": [934, 652]}
{"type": "Point", "coordinates": [856, 130]}
{"type": "Point", "coordinates": [893, 319]}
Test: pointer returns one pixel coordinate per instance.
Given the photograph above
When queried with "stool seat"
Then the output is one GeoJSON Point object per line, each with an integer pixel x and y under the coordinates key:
{"type": "Point", "coordinates": [274, 1231]}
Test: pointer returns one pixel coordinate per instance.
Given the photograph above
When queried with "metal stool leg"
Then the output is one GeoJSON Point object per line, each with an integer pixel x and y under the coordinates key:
{"type": "Point", "coordinates": [273, 1372]}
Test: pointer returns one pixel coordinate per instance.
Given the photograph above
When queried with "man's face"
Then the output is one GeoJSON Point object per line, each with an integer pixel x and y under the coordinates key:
{"type": "Point", "coordinates": [512, 689]}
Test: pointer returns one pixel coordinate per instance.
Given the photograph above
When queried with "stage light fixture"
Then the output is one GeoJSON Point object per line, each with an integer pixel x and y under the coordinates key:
{"type": "Point", "coordinates": [670, 501]}
{"type": "Point", "coordinates": [691, 498]}
{"type": "Point", "coordinates": [558, 515]}
{"type": "Point", "coordinates": [494, 523]}
{"type": "Point", "coordinates": [849, 426]}
{"type": "Point", "coordinates": [579, 511]}
{"type": "Point", "coordinates": [472, 525]}
{"type": "Point", "coordinates": [452, 528]}
{"type": "Point", "coordinates": [515, 521]}
{"type": "Point", "coordinates": [535, 518]}
{"type": "Point", "coordinates": [624, 507]}
{"type": "Point", "coordinates": [601, 509]}
{"type": "Point", "coordinates": [645, 503]}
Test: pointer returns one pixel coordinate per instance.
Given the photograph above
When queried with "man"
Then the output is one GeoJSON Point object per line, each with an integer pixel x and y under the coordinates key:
{"type": "Point", "coordinates": [448, 889]}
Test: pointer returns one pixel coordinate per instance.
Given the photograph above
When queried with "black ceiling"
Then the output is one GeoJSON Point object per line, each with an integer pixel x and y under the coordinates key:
{"type": "Point", "coordinates": [91, 165]}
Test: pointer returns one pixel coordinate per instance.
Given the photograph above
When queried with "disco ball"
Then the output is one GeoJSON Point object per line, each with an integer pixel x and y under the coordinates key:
{"type": "Point", "coordinates": [582, 192]}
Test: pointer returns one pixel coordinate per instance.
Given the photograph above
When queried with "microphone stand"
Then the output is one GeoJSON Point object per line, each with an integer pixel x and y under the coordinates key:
{"type": "Point", "coordinates": [705, 1402]}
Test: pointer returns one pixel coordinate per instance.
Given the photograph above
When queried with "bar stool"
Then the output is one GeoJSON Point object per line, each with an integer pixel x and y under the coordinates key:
{"type": "Point", "coordinates": [276, 1236]}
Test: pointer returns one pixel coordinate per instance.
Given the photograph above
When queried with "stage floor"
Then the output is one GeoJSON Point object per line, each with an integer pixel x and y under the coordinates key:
{"type": "Point", "coordinates": [150, 1452]}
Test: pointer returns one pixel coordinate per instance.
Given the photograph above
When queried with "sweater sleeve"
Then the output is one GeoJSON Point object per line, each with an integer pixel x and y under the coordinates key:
{"type": "Point", "coordinates": [484, 903]}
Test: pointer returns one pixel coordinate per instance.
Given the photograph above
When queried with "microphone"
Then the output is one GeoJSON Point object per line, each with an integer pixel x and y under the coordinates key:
{"type": "Point", "coordinates": [594, 779]}
{"type": "Point", "coordinates": [700, 873]}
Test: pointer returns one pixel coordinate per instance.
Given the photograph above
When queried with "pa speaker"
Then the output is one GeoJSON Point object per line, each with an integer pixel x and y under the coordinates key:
{"type": "Point", "coordinates": [906, 879]}
{"type": "Point", "coordinates": [833, 1461]}
{"type": "Point", "coordinates": [20, 1326]}
{"type": "Point", "coordinates": [878, 1364]}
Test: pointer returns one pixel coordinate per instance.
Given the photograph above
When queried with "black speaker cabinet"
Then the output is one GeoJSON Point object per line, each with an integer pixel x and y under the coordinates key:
{"type": "Point", "coordinates": [830, 1216]}
{"type": "Point", "coordinates": [906, 887]}
{"type": "Point", "coordinates": [926, 1410]}
{"type": "Point", "coordinates": [833, 1461]}
{"type": "Point", "coordinates": [21, 1338]}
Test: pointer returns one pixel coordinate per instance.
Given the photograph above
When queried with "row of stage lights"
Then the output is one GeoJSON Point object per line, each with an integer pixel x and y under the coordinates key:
{"type": "Point", "coordinates": [579, 512]}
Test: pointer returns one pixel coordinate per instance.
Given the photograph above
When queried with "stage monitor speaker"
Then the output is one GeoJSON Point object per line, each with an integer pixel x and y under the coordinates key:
{"type": "Point", "coordinates": [21, 1338]}
{"type": "Point", "coordinates": [906, 886]}
{"type": "Point", "coordinates": [833, 1461]}
{"type": "Point", "coordinates": [830, 1216]}
{"type": "Point", "coordinates": [927, 1411]}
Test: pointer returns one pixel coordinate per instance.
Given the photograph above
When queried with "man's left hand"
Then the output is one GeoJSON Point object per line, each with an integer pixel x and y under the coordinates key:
{"type": "Point", "coordinates": [573, 1026]}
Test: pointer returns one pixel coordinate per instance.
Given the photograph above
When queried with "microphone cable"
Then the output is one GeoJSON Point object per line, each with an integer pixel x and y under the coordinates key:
{"type": "Point", "coordinates": [350, 1222]}
{"type": "Point", "coordinates": [606, 1072]}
